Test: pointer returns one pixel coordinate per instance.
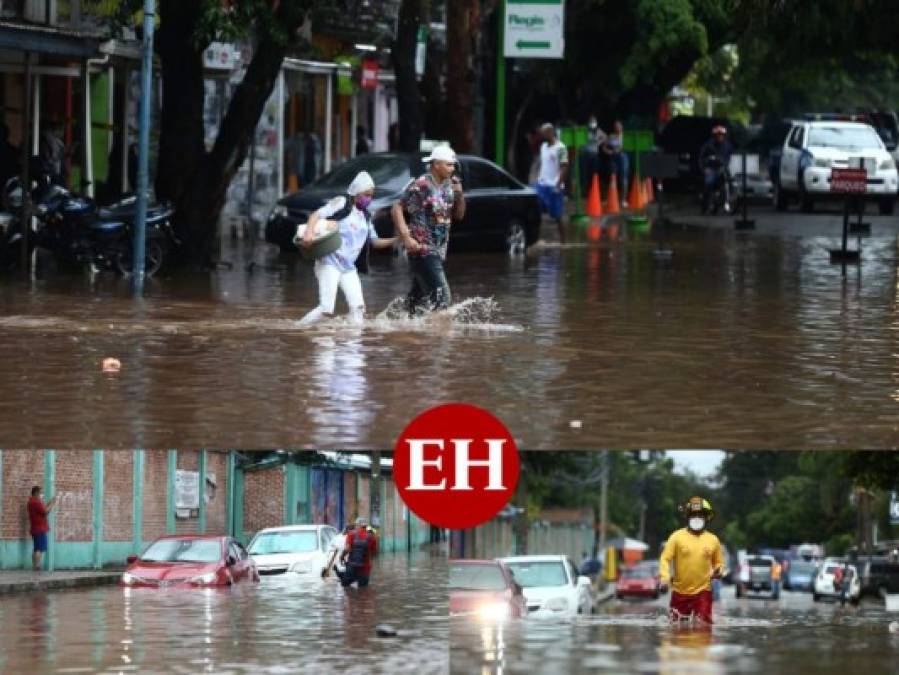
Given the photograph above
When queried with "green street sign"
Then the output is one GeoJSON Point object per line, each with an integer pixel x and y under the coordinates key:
{"type": "Point", "coordinates": [534, 29]}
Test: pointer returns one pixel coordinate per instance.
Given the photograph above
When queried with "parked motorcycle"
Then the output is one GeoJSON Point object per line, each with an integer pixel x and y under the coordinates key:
{"type": "Point", "coordinates": [76, 230]}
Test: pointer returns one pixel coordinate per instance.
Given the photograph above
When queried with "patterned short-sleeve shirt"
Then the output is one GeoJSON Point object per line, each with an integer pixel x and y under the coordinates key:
{"type": "Point", "coordinates": [430, 209]}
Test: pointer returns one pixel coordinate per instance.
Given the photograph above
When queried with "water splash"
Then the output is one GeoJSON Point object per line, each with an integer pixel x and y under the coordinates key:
{"type": "Point", "coordinates": [474, 314]}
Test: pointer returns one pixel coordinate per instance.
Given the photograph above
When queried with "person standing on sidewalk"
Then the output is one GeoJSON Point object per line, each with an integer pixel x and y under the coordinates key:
{"type": "Point", "coordinates": [696, 556]}
{"type": "Point", "coordinates": [40, 527]}
{"type": "Point", "coordinates": [552, 176]}
{"type": "Point", "coordinates": [432, 201]}
{"type": "Point", "coordinates": [619, 165]}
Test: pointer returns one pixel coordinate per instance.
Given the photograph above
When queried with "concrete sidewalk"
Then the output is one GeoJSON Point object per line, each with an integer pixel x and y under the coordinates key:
{"type": "Point", "coordinates": [21, 581]}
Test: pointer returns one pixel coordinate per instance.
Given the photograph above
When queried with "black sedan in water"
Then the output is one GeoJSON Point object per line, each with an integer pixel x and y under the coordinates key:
{"type": "Point", "coordinates": [501, 213]}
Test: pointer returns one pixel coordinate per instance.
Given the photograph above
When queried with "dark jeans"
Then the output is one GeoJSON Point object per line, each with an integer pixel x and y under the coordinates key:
{"type": "Point", "coordinates": [430, 289]}
{"type": "Point", "coordinates": [352, 575]}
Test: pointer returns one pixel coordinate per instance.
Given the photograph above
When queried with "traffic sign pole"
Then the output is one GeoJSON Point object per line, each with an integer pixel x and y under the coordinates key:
{"type": "Point", "coordinates": [500, 85]}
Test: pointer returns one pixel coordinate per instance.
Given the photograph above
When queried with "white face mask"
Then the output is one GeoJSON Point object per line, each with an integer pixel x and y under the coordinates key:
{"type": "Point", "coordinates": [696, 524]}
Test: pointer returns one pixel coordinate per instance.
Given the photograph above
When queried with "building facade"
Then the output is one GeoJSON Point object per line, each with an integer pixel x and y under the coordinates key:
{"type": "Point", "coordinates": [112, 504]}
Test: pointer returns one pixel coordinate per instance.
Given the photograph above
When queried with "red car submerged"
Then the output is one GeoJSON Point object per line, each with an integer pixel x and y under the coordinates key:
{"type": "Point", "coordinates": [486, 589]}
{"type": "Point", "coordinates": [641, 581]}
{"type": "Point", "coordinates": [190, 560]}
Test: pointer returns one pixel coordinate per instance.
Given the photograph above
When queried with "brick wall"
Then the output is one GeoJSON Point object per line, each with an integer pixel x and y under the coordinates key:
{"type": "Point", "coordinates": [118, 493]}
{"type": "Point", "coordinates": [263, 504]}
{"type": "Point", "coordinates": [75, 487]}
{"type": "Point", "coordinates": [22, 469]}
{"type": "Point", "coordinates": [156, 469]}
{"type": "Point", "coordinates": [216, 510]}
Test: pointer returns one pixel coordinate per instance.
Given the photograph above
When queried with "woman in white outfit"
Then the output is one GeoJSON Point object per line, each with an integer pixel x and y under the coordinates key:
{"type": "Point", "coordinates": [338, 269]}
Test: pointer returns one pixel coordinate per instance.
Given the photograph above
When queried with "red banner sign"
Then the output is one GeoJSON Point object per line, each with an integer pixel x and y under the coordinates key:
{"type": "Point", "coordinates": [369, 74]}
{"type": "Point", "coordinates": [849, 181]}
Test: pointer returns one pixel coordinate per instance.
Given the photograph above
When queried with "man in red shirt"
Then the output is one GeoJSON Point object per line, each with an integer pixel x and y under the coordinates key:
{"type": "Point", "coordinates": [37, 515]}
{"type": "Point", "coordinates": [359, 549]}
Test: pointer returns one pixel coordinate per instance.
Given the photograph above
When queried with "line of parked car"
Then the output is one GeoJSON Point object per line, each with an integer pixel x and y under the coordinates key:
{"type": "Point", "coordinates": [519, 586]}
{"type": "Point", "coordinates": [210, 561]}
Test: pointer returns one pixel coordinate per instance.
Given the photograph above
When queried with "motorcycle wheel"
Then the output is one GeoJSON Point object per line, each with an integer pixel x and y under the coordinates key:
{"type": "Point", "coordinates": [154, 258]}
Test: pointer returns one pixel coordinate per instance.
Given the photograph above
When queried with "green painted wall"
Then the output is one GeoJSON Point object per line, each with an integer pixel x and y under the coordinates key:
{"type": "Point", "coordinates": [16, 553]}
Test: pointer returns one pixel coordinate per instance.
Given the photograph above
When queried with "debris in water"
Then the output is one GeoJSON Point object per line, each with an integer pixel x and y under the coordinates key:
{"type": "Point", "coordinates": [384, 630]}
{"type": "Point", "coordinates": [575, 424]}
{"type": "Point", "coordinates": [111, 365]}
{"type": "Point", "coordinates": [894, 626]}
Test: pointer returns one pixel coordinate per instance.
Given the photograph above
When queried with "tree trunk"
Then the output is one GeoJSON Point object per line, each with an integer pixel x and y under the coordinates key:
{"type": "Point", "coordinates": [461, 35]}
{"type": "Point", "coordinates": [413, 13]}
{"type": "Point", "coordinates": [181, 139]}
{"type": "Point", "coordinates": [195, 181]}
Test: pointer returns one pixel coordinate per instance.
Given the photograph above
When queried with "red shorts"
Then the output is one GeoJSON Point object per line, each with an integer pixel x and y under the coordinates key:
{"type": "Point", "coordinates": [683, 606]}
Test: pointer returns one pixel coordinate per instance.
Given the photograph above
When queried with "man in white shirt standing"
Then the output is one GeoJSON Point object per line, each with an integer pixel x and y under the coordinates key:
{"type": "Point", "coordinates": [552, 177]}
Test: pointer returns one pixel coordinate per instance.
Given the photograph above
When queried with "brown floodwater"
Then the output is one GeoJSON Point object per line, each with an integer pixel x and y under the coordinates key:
{"type": "Point", "coordinates": [280, 625]}
{"type": "Point", "coordinates": [740, 340]}
{"type": "Point", "coordinates": [790, 635]}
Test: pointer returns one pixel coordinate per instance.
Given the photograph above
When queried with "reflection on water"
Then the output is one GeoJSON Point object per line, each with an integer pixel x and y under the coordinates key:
{"type": "Point", "coordinates": [279, 625]}
{"type": "Point", "coordinates": [752, 341]}
{"type": "Point", "coordinates": [788, 636]}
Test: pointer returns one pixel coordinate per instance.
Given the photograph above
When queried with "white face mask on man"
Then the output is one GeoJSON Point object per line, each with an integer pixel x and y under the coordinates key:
{"type": "Point", "coordinates": [696, 523]}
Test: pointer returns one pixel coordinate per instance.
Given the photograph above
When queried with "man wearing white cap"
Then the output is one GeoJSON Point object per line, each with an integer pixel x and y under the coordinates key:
{"type": "Point", "coordinates": [432, 201]}
{"type": "Point", "coordinates": [350, 216]}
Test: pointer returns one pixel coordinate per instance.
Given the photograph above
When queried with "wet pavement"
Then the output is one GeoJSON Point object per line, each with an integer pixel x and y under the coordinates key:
{"type": "Point", "coordinates": [741, 340]}
{"type": "Point", "coordinates": [281, 625]}
{"type": "Point", "coordinates": [791, 635]}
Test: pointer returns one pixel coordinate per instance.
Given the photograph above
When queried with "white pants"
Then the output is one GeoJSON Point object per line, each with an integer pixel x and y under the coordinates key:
{"type": "Point", "coordinates": [329, 279]}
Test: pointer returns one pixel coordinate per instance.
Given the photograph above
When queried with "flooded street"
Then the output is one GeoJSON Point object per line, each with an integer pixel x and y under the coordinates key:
{"type": "Point", "coordinates": [743, 340]}
{"type": "Point", "coordinates": [279, 625]}
{"type": "Point", "coordinates": [793, 634]}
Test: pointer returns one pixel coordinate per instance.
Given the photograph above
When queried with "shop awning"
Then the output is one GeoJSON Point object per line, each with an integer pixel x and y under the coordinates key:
{"type": "Point", "coordinates": [47, 40]}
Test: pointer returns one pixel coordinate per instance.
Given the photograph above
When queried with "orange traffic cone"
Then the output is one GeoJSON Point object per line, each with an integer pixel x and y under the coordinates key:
{"type": "Point", "coordinates": [594, 199]}
{"type": "Point", "coordinates": [614, 206]}
{"type": "Point", "coordinates": [635, 198]}
{"type": "Point", "coordinates": [648, 192]}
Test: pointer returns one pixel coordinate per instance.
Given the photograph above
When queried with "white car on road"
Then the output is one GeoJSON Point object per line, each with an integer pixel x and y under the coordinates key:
{"type": "Point", "coordinates": [813, 148]}
{"type": "Point", "coordinates": [552, 585]}
{"type": "Point", "coordinates": [824, 582]}
{"type": "Point", "coordinates": [300, 549]}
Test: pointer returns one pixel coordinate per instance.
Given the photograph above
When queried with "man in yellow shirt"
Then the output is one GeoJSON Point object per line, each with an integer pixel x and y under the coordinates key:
{"type": "Point", "coordinates": [696, 556]}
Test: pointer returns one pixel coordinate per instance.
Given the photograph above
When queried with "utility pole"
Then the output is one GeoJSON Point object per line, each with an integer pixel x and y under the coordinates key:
{"type": "Point", "coordinates": [143, 148]}
{"type": "Point", "coordinates": [603, 501]}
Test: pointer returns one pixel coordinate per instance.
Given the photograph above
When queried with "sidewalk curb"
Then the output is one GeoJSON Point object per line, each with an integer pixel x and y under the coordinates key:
{"type": "Point", "coordinates": [105, 579]}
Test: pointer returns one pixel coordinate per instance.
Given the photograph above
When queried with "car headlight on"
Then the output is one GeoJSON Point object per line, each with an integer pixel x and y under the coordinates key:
{"type": "Point", "coordinates": [204, 579]}
{"type": "Point", "coordinates": [128, 579]}
{"type": "Point", "coordinates": [557, 604]}
{"type": "Point", "coordinates": [495, 611]}
{"type": "Point", "coordinates": [887, 164]}
{"type": "Point", "coordinates": [280, 211]}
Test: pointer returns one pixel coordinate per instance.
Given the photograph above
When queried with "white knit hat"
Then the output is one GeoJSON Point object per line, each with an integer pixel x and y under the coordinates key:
{"type": "Point", "coordinates": [441, 153]}
{"type": "Point", "coordinates": [361, 183]}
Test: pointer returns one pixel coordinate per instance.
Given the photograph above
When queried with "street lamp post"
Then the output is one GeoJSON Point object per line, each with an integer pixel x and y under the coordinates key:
{"type": "Point", "coordinates": [143, 148]}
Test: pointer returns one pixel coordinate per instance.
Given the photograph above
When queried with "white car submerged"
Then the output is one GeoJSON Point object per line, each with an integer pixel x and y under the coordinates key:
{"type": "Point", "coordinates": [824, 582]}
{"type": "Point", "coordinates": [298, 549]}
{"type": "Point", "coordinates": [552, 585]}
{"type": "Point", "coordinates": [813, 148]}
